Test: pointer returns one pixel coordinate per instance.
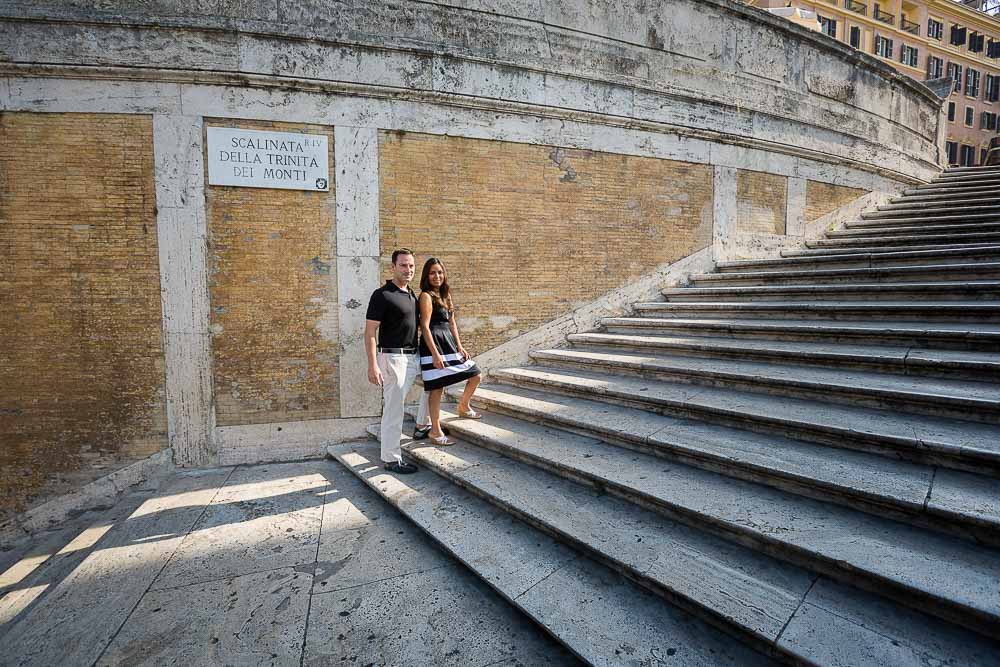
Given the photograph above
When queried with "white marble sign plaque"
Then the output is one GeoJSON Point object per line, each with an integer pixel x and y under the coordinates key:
{"type": "Point", "coordinates": [256, 159]}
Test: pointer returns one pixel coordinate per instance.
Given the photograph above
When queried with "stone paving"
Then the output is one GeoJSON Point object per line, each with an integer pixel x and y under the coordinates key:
{"type": "Point", "coordinates": [284, 564]}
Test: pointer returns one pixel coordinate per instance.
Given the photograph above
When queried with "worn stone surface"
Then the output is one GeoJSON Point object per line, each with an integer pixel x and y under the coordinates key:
{"type": "Point", "coordinates": [78, 596]}
{"type": "Point", "coordinates": [384, 549]}
{"type": "Point", "coordinates": [182, 237]}
{"type": "Point", "coordinates": [841, 626]}
{"type": "Point", "coordinates": [756, 456]}
{"type": "Point", "coordinates": [284, 441]}
{"type": "Point", "coordinates": [739, 586]}
{"type": "Point", "coordinates": [969, 496]}
{"type": "Point", "coordinates": [860, 424]}
{"type": "Point", "coordinates": [358, 261]}
{"type": "Point", "coordinates": [63, 627]}
{"type": "Point", "coordinates": [264, 518]}
{"type": "Point", "coordinates": [255, 619]}
{"type": "Point", "coordinates": [460, 623]}
{"type": "Point", "coordinates": [598, 614]}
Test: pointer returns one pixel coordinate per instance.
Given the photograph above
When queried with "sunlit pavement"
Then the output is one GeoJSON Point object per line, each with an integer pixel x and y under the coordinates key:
{"type": "Point", "coordinates": [292, 563]}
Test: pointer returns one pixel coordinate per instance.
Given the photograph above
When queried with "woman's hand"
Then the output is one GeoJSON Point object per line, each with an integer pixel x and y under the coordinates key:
{"type": "Point", "coordinates": [465, 355]}
{"type": "Point", "coordinates": [438, 361]}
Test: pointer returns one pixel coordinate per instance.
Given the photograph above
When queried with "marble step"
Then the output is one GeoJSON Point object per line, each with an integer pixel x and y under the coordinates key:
{"type": "Point", "coordinates": [949, 291]}
{"type": "Point", "coordinates": [955, 399]}
{"type": "Point", "coordinates": [888, 252]}
{"type": "Point", "coordinates": [907, 239]}
{"type": "Point", "coordinates": [889, 258]}
{"type": "Point", "coordinates": [925, 338]}
{"type": "Point", "coordinates": [952, 211]}
{"type": "Point", "coordinates": [591, 610]}
{"type": "Point", "coordinates": [831, 276]}
{"type": "Point", "coordinates": [982, 312]}
{"type": "Point", "coordinates": [730, 546]}
{"type": "Point", "coordinates": [966, 170]}
{"type": "Point", "coordinates": [959, 182]}
{"type": "Point", "coordinates": [883, 227]}
{"type": "Point", "coordinates": [957, 214]}
{"type": "Point", "coordinates": [947, 501]}
{"type": "Point", "coordinates": [931, 192]}
{"type": "Point", "coordinates": [899, 360]}
{"type": "Point", "coordinates": [902, 360]}
{"type": "Point", "coordinates": [960, 445]}
{"type": "Point", "coordinates": [966, 177]}
{"type": "Point", "coordinates": [909, 203]}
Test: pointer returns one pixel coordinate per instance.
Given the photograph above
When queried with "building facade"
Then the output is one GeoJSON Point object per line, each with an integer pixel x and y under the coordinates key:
{"type": "Point", "coordinates": [927, 39]}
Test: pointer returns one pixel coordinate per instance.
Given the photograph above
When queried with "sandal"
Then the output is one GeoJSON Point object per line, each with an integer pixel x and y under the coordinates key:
{"type": "Point", "coordinates": [471, 414]}
{"type": "Point", "coordinates": [442, 441]}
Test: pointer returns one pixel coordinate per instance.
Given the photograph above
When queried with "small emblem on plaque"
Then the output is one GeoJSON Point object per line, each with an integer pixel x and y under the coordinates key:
{"type": "Point", "coordinates": [320, 183]}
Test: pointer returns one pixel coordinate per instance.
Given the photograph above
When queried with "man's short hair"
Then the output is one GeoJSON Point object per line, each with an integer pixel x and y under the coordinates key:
{"type": "Point", "coordinates": [400, 251]}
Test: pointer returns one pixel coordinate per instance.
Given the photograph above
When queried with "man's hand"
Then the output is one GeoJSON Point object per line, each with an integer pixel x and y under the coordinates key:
{"type": "Point", "coordinates": [375, 376]}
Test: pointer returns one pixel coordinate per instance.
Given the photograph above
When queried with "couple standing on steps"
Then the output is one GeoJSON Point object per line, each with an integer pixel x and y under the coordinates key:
{"type": "Point", "coordinates": [394, 319]}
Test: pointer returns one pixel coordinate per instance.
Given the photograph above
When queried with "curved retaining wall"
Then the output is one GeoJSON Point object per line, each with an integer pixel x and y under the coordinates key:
{"type": "Point", "coordinates": [550, 151]}
{"type": "Point", "coordinates": [704, 69]}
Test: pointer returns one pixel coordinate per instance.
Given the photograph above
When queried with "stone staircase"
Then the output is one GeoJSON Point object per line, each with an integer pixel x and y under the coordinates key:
{"type": "Point", "coordinates": [791, 460]}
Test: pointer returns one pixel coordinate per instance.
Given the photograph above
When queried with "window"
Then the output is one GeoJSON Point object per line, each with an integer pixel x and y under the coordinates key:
{"type": "Point", "coordinates": [951, 111]}
{"type": "Point", "coordinates": [992, 93]}
{"type": "Point", "coordinates": [993, 49]}
{"type": "Point", "coordinates": [955, 72]}
{"type": "Point", "coordinates": [935, 67]}
{"type": "Point", "coordinates": [971, 83]}
{"type": "Point", "coordinates": [883, 46]}
{"type": "Point", "coordinates": [951, 148]}
{"type": "Point", "coordinates": [967, 156]}
{"type": "Point", "coordinates": [828, 26]}
{"type": "Point", "coordinates": [935, 29]}
{"type": "Point", "coordinates": [977, 42]}
{"type": "Point", "coordinates": [970, 116]}
{"type": "Point", "coordinates": [987, 121]}
{"type": "Point", "coordinates": [958, 35]}
{"type": "Point", "coordinates": [855, 36]}
{"type": "Point", "coordinates": [982, 156]}
{"type": "Point", "coordinates": [908, 55]}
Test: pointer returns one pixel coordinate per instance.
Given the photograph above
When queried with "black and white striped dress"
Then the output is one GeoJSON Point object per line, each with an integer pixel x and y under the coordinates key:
{"type": "Point", "coordinates": [456, 369]}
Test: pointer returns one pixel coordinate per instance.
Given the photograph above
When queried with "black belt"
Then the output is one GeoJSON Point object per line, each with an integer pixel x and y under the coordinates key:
{"type": "Point", "coordinates": [398, 350]}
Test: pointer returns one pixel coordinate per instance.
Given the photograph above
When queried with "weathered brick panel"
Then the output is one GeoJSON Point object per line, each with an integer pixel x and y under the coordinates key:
{"type": "Point", "coordinates": [81, 359]}
{"type": "Point", "coordinates": [527, 232]}
{"type": "Point", "coordinates": [761, 201]}
{"type": "Point", "coordinates": [822, 198]}
{"type": "Point", "coordinates": [273, 291]}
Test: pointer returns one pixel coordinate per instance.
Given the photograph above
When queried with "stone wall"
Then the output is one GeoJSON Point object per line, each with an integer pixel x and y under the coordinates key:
{"type": "Point", "coordinates": [761, 203]}
{"type": "Point", "coordinates": [528, 233]}
{"type": "Point", "coordinates": [273, 294]}
{"type": "Point", "coordinates": [81, 356]}
{"type": "Point", "coordinates": [493, 133]}
{"type": "Point", "coordinates": [821, 198]}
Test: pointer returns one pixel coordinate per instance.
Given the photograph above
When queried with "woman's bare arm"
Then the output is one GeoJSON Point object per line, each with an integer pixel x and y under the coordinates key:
{"type": "Point", "coordinates": [453, 322]}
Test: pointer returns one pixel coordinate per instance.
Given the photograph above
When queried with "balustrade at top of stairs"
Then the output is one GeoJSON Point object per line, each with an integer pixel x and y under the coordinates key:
{"type": "Point", "coordinates": [790, 460]}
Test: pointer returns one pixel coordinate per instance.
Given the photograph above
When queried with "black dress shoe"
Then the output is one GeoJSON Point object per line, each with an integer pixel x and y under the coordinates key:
{"type": "Point", "coordinates": [421, 432]}
{"type": "Point", "coordinates": [401, 468]}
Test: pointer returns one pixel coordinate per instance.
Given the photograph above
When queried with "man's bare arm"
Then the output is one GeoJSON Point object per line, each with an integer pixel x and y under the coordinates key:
{"type": "Point", "coordinates": [374, 374]}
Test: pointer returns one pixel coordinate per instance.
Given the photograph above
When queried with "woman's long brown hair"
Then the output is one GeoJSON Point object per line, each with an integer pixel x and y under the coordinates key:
{"type": "Point", "coordinates": [442, 295]}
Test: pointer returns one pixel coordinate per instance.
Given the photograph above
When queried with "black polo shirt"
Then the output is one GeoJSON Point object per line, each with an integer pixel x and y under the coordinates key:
{"type": "Point", "coordinates": [396, 312]}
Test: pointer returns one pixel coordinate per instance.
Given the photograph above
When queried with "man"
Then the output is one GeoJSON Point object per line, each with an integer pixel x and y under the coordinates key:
{"type": "Point", "coordinates": [393, 361]}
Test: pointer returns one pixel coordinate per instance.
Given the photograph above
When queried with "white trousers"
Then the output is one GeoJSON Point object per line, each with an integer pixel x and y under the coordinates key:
{"type": "Point", "coordinates": [398, 373]}
{"type": "Point", "coordinates": [424, 411]}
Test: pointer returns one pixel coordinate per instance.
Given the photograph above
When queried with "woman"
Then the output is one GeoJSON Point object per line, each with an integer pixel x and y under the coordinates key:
{"type": "Point", "coordinates": [443, 360]}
